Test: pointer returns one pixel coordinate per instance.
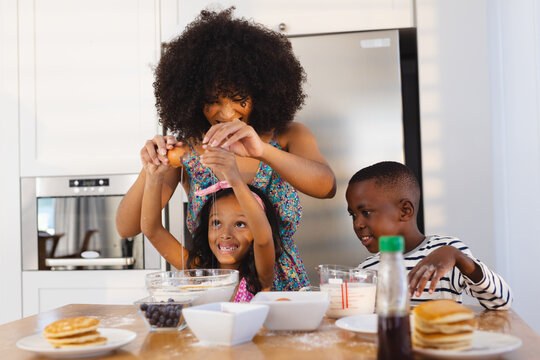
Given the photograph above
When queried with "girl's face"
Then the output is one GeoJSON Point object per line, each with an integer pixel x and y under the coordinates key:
{"type": "Point", "coordinates": [220, 109]}
{"type": "Point", "coordinates": [374, 214]}
{"type": "Point", "coordinates": [228, 235]}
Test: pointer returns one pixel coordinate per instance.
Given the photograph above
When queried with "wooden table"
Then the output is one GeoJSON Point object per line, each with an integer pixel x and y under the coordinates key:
{"type": "Point", "coordinates": [328, 342]}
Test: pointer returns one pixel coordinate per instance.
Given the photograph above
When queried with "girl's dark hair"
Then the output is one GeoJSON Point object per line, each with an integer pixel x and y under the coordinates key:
{"type": "Point", "coordinates": [203, 258]}
{"type": "Point", "coordinates": [217, 53]}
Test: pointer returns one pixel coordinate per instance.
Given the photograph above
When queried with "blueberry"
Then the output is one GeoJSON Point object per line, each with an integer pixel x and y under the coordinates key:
{"type": "Point", "coordinates": [178, 312]}
{"type": "Point", "coordinates": [155, 315]}
{"type": "Point", "coordinates": [152, 321]}
{"type": "Point", "coordinates": [144, 306]}
{"type": "Point", "coordinates": [163, 310]}
{"type": "Point", "coordinates": [168, 323]}
{"type": "Point", "coordinates": [162, 319]}
{"type": "Point", "coordinates": [170, 300]}
{"type": "Point", "coordinates": [172, 314]}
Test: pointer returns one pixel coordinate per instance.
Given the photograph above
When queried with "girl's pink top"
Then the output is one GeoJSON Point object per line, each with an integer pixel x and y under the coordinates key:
{"type": "Point", "coordinates": [243, 295]}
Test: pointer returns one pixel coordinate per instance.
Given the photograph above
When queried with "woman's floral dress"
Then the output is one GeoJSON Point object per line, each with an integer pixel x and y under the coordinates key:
{"type": "Point", "coordinates": [290, 273]}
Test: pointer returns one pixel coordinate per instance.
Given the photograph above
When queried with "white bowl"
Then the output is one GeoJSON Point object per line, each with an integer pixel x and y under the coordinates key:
{"type": "Point", "coordinates": [303, 310]}
{"type": "Point", "coordinates": [225, 323]}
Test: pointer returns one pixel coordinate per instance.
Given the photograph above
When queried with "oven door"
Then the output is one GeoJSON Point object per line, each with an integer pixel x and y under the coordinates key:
{"type": "Point", "coordinates": [69, 224]}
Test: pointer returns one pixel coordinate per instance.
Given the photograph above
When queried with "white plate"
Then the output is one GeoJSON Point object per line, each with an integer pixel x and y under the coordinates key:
{"type": "Point", "coordinates": [115, 339]}
{"type": "Point", "coordinates": [366, 323]}
{"type": "Point", "coordinates": [359, 323]}
{"type": "Point", "coordinates": [485, 345]}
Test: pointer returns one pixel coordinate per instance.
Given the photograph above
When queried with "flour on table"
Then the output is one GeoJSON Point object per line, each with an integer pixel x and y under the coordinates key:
{"type": "Point", "coordinates": [118, 321]}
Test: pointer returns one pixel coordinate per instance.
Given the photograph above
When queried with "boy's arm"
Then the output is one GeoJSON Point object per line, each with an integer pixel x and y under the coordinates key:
{"type": "Point", "coordinates": [151, 225]}
{"type": "Point", "coordinates": [474, 276]}
{"type": "Point", "coordinates": [491, 291]}
{"type": "Point", "coordinates": [480, 282]}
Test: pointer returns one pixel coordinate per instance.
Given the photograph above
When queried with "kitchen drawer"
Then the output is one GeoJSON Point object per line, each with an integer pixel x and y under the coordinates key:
{"type": "Point", "coordinates": [46, 290]}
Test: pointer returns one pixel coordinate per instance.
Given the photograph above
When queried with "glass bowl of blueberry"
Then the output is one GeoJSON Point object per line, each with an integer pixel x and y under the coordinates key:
{"type": "Point", "coordinates": [162, 313]}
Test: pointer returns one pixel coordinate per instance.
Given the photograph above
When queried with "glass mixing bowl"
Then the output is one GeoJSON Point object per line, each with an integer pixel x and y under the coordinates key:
{"type": "Point", "coordinates": [202, 286]}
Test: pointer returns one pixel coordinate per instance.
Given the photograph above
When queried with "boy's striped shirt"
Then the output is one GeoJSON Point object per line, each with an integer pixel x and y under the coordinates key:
{"type": "Point", "coordinates": [492, 291]}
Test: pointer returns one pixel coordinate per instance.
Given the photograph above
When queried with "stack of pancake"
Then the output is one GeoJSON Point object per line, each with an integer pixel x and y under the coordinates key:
{"type": "Point", "coordinates": [443, 324]}
{"type": "Point", "coordinates": [74, 332]}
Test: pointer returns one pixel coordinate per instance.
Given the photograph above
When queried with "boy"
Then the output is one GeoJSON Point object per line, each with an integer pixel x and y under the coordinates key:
{"type": "Point", "coordinates": [383, 199]}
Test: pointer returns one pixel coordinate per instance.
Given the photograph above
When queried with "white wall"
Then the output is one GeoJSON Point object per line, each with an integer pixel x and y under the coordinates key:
{"type": "Point", "coordinates": [10, 234]}
{"type": "Point", "coordinates": [514, 29]}
{"type": "Point", "coordinates": [455, 123]}
{"type": "Point", "coordinates": [479, 64]}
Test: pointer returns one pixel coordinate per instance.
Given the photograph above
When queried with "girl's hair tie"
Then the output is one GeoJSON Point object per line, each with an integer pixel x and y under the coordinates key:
{"type": "Point", "coordinates": [224, 185]}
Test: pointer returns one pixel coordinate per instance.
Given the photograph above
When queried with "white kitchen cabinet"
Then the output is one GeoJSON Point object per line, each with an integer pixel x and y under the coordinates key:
{"type": "Point", "coordinates": [86, 97]}
{"type": "Point", "coordinates": [46, 290]}
{"type": "Point", "coordinates": [298, 17]}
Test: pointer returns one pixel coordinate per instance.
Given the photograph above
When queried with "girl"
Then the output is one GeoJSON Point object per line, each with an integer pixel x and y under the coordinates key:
{"type": "Point", "coordinates": [238, 227]}
{"type": "Point", "coordinates": [235, 84]}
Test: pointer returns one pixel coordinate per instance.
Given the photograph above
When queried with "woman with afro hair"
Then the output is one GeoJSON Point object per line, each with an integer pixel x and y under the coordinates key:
{"type": "Point", "coordinates": [231, 83]}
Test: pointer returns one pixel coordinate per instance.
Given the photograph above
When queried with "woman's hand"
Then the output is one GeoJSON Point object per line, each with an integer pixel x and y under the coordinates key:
{"type": "Point", "coordinates": [155, 150]}
{"type": "Point", "coordinates": [236, 136]}
{"type": "Point", "coordinates": [222, 163]}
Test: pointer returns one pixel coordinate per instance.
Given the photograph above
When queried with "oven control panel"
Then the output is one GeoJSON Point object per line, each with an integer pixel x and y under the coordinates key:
{"type": "Point", "coordinates": [88, 182]}
{"type": "Point", "coordinates": [88, 185]}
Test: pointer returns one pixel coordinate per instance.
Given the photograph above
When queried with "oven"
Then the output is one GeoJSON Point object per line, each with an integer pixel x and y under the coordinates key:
{"type": "Point", "coordinates": [68, 223]}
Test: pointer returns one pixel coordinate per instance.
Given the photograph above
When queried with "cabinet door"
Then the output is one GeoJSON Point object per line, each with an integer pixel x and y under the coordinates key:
{"type": "Point", "coordinates": [302, 16]}
{"type": "Point", "coordinates": [86, 97]}
{"type": "Point", "coordinates": [46, 290]}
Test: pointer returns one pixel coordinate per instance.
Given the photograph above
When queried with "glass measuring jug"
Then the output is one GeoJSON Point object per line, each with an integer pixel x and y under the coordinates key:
{"type": "Point", "coordinates": [352, 290]}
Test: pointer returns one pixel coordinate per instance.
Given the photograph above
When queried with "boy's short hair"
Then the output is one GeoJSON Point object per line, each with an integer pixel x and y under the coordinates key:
{"type": "Point", "coordinates": [392, 176]}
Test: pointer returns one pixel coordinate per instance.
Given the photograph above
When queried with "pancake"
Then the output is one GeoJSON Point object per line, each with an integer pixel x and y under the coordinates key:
{"type": "Point", "coordinates": [74, 332]}
{"type": "Point", "coordinates": [449, 328]}
{"type": "Point", "coordinates": [460, 341]}
{"type": "Point", "coordinates": [95, 342]}
{"type": "Point", "coordinates": [75, 339]}
{"type": "Point", "coordinates": [442, 312]}
{"type": "Point", "coordinates": [443, 324]}
{"type": "Point", "coordinates": [71, 326]}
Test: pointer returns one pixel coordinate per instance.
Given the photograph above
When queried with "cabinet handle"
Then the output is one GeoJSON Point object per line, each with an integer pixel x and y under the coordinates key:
{"type": "Point", "coordinates": [90, 262]}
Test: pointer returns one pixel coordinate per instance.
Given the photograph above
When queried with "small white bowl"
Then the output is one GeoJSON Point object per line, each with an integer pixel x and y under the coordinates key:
{"type": "Point", "coordinates": [225, 323]}
{"type": "Point", "coordinates": [303, 310]}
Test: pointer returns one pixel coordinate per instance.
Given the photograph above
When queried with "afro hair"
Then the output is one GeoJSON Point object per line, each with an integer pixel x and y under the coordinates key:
{"type": "Point", "coordinates": [218, 54]}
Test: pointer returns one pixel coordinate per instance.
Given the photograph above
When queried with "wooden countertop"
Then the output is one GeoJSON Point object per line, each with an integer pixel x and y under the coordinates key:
{"type": "Point", "coordinates": [328, 342]}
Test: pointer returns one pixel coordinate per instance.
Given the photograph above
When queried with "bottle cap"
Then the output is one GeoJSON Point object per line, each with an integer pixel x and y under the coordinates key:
{"type": "Point", "coordinates": [391, 243]}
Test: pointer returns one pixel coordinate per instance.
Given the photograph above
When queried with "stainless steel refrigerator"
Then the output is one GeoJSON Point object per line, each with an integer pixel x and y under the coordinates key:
{"type": "Point", "coordinates": [362, 107]}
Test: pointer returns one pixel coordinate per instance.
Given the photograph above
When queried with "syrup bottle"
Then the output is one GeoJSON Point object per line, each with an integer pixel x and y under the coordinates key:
{"type": "Point", "coordinates": [394, 330]}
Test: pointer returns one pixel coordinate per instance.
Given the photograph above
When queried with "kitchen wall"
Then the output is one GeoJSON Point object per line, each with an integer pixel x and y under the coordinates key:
{"type": "Point", "coordinates": [514, 52]}
{"type": "Point", "coordinates": [479, 74]}
{"type": "Point", "coordinates": [479, 65]}
{"type": "Point", "coordinates": [10, 234]}
{"type": "Point", "coordinates": [480, 103]}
